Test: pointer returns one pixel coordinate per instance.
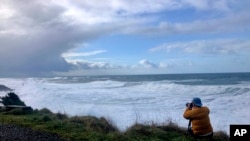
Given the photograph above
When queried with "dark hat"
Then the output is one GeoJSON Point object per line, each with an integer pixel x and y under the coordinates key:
{"type": "Point", "coordinates": [197, 101]}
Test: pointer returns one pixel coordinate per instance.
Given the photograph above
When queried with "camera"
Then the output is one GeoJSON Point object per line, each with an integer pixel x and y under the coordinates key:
{"type": "Point", "coordinates": [191, 105]}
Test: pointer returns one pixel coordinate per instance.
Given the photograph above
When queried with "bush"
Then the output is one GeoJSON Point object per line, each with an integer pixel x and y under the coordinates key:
{"type": "Point", "coordinates": [46, 118]}
{"type": "Point", "coordinates": [11, 99]}
{"type": "Point", "coordinates": [20, 111]}
{"type": "Point", "coordinates": [93, 124]}
{"type": "Point", "coordinates": [46, 111]}
{"type": "Point", "coordinates": [61, 116]}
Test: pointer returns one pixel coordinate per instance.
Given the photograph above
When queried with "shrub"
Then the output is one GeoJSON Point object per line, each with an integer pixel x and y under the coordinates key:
{"type": "Point", "coordinates": [61, 116]}
{"type": "Point", "coordinates": [94, 124]}
{"type": "Point", "coordinates": [18, 111]}
{"type": "Point", "coordinates": [11, 99]}
{"type": "Point", "coordinates": [46, 118]}
{"type": "Point", "coordinates": [46, 111]}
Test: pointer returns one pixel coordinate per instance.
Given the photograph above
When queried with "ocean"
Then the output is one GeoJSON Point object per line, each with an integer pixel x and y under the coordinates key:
{"type": "Point", "coordinates": [147, 99]}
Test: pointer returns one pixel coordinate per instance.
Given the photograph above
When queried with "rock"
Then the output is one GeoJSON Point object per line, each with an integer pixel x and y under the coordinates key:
{"type": "Point", "coordinates": [17, 133]}
{"type": "Point", "coordinates": [4, 88]}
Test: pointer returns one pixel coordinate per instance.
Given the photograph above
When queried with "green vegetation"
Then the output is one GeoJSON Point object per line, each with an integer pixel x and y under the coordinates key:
{"type": "Point", "coordinates": [11, 99]}
{"type": "Point", "coordinates": [88, 128]}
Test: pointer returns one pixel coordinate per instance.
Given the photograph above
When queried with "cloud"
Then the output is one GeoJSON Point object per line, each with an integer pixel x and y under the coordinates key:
{"type": "Point", "coordinates": [218, 46]}
{"type": "Point", "coordinates": [114, 11]}
{"type": "Point", "coordinates": [231, 23]}
{"type": "Point", "coordinates": [33, 39]}
{"type": "Point", "coordinates": [79, 64]}
{"type": "Point", "coordinates": [35, 35]}
{"type": "Point", "coordinates": [83, 54]}
{"type": "Point", "coordinates": [208, 4]}
{"type": "Point", "coordinates": [147, 64]}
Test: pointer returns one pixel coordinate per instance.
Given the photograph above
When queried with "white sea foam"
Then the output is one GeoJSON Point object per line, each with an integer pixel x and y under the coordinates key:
{"type": "Point", "coordinates": [127, 102]}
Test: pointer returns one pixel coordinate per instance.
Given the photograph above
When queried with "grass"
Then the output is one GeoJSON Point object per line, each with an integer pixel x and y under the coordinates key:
{"type": "Point", "coordinates": [88, 128]}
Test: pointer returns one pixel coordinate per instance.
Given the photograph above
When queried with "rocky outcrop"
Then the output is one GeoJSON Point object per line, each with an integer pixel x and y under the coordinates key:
{"type": "Point", "coordinates": [4, 88]}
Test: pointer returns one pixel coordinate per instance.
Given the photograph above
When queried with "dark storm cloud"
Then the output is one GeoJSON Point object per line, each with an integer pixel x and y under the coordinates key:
{"type": "Point", "coordinates": [35, 34]}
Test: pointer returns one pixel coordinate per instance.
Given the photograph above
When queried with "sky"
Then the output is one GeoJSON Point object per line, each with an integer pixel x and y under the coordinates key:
{"type": "Point", "coordinates": [119, 37]}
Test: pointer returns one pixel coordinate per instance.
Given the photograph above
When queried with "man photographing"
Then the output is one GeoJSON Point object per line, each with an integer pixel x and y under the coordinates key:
{"type": "Point", "coordinates": [199, 117]}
